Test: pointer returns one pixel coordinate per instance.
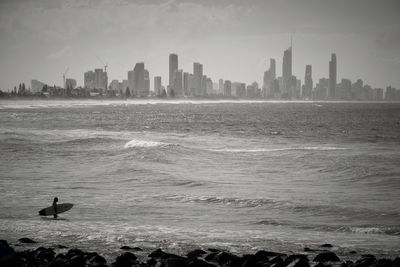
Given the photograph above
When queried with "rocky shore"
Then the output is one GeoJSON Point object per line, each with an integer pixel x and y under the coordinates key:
{"type": "Point", "coordinates": [73, 257]}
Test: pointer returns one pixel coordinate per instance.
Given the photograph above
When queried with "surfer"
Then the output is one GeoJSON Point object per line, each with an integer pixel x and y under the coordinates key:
{"type": "Point", "coordinates": [55, 207]}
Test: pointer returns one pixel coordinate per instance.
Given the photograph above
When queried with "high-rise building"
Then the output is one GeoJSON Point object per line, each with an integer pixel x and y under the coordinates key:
{"type": "Point", "coordinates": [286, 72]}
{"type": "Point", "coordinates": [96, 79]}
{"type": "Point", "coordinates": [186, 83]}
{"type": "Point", "coordinates": [221, 86]}
{"type": "Point", "coordinates": [173, 67]}
{"type": "Point", "coordinates": [308, 83]}
{"type": "Point", "coordinates": [197, 78]}
{"type": "Point", "coordinates": [269, 76]}
{"type": "Point", "coordinates": [332, 76]}
{"type": "Point", "coordinates": [227, 88]}
{"type": "Point", "coordinates": [139, 80]}
{"type": "Point", "coordinates": [131, 82]}
{"type": "Point", "coordinates": [37, 86]}
{"type": "Point", "coordinates": [146, 83]}
{"type": "Point", "coordinates": [157, 85]}
{"type": "Point", "coordinates": [178, 83]}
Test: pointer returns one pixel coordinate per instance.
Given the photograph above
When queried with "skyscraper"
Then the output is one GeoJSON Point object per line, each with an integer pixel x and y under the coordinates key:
{"type": "Point", "coordinates": [146, 91]}
{"type": "Point", "coordinates": [332, 76]}
{"type": "Point", "coordinates": [178, 85]}
{"type": "Point", "coordinates": [197, 78]}
{"type": "Point", "coordinates": [157, 85]}
{"type": "Point", "coordinates": [173, 67]}
{"type": "Point", "coordinates": [308, 83]}
{"type": "Point", "coordinates": [286, 70]}
{"type": "Point", "coordinates": [131, 82]}
{"type": "Point", "coordinates": [227, 88]}
{"type": "Point", "coordinates": [139, 80]}
{"type": "Point", "coordinates": [269, 76]}
{"type": "Point", "coordinates": [186, 85]}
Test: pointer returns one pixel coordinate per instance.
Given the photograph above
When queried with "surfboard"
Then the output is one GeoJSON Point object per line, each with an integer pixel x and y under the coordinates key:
{"type": "Point", "coordinates": [60, 209]}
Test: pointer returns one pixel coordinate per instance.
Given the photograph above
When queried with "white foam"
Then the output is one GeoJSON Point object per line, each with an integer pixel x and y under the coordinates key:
{"type": "Point", "coordinates": [143, 143]}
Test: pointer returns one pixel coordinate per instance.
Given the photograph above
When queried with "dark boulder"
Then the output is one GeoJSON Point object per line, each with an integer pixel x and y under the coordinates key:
{"type": "Point", "coordinates": [130, 248]}
{"type": "Point", "coordinates": [213, 250]}
{"type": "Point", "coordinates": [59, 261]}
{"type": "Point", "coordinates": [74, 252]}
{"type": "Point", "coordinates": [277, 261]}
{"type": "Point", "coordinates": [46, 254]}
{"type": "Point", "coordinates": [326, 256]}
{"type": "Point", "coordinates": [5, 249]}
{"type": "Point", "coordinates": [176, 262]}
{"type": "Point", "coordinates": [224, 257]}
{"type": "Point", "coordinates": [299, 262]}
{"type": "Point", "coordinates": [326, 246]}
{"type": "Point", "coordinates": [199, 263]}
{"type": "Point", "coordinates": [76, 261]}
{"type": "Point", "coordinates": [157, 254]}
{"type": "Point", "coordinates": [27, 240]}
{"type": "Point", "coordinates": [126, 259]}
{"type": "Point", "coordinates": [97, 260]}
{"type": "Point", "coordinates": [384, 263]}
{"type": "Point", "coordinates": [151, 262]}
{"type": "Point", "coordinates": [366, 260]}
{"type": "Point", "coordinates": [196, 253]}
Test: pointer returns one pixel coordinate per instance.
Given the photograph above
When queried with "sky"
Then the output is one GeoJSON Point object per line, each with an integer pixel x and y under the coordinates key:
{"type": "Point", "coordinates": [233, 39]}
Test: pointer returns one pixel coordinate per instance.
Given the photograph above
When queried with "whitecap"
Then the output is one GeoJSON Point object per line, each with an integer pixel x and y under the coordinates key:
{"type": "Point", "coordinates": [143, 143]}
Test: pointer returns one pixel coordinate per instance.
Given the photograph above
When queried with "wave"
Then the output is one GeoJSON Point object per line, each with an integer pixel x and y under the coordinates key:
{"type": "Point", "coordinates": [239, 202]}
{"type": "Point", "coordinates": [361, 229]}
{"type": "Point", "coordinates": [143, 143]}
{"type": "Point", "coordinates": [261, 150]}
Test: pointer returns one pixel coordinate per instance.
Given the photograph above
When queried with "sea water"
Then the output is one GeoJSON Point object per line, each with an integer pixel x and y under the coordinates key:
{"type": "Point", "coordinates": [236, 175]}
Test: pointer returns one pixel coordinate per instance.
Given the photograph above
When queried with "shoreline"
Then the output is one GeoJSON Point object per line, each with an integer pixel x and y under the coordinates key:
{"type": "Point", "coordinates": [28, 252]}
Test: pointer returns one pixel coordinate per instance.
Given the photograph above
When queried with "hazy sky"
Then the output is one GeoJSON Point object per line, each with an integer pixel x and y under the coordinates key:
{"type": "Point", "coordinates": [233, 39]}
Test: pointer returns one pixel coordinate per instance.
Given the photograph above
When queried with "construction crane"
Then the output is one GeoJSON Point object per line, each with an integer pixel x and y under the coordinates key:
{"type": "Point", "coordinates": [105, 65]}
{"type": "Point", "coordinates": [65, 73]}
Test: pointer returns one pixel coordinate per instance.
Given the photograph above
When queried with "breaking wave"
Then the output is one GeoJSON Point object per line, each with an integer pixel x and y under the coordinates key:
{"type": "Point", "coordinates": [142, 143]}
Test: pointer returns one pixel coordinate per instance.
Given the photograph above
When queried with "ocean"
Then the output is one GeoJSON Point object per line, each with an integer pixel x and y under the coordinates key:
{"type": "Point", "coordinates": [238, 175]}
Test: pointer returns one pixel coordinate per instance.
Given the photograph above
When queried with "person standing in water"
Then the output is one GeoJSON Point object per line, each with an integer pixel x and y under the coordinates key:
{"type": "Point", "coordinates": [55, 207]}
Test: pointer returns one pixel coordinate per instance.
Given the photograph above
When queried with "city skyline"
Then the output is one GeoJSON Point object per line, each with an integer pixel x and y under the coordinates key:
{"type": "Point", "coordinates": [41, 40]}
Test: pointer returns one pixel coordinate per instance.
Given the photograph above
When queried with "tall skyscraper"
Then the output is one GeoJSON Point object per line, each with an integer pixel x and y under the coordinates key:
{"type": "Point", "coordinates": [173, 67]}
{"type": "Point", "coordinates": [269, 76]}
{"type": "Point", "coordinates": [308, 83]}
{"type": "Point", "coordinates": [131, 82]}
{"type": "Point", "coordinates": [157, 85]}
{"type": "Point", "coordinates": [139, 80]}
{"type": "Point", "coordinates": [178, 83]}
{"type": "Point", "coordinates": [146, 91]}
{"type": "Point", "coordinates": [227, 88]}
{"type": "Point", "coordinates": [197, 78]}
{"type": "Point", "coordinates": [221, 86]}
{"type": "Point", "coordinates": [286, 71]}
{"type": "Point", "coordinates": [186, 83]}
{"type": "Point", "coordinates": [332, 76]}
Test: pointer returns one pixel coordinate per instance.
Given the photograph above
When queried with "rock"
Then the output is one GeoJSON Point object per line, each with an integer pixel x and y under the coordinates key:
{"type": "Point", "coordinates": [353, 252]}
{"type": "Point", "coordinates": [59, 261]}
{"type": "Point", "coordinates": [347, 264]}
{"type": "Point", "coordinates": [176, 262]}
{"type": "Point", "coordinates": [42, 253]}
{"type": "Point", "coordinates": [126, 259]}
{"type": "Point", "coordinates": [213, 250]}
{"type": "Point", "coordinates": [326, 256]}
{"type": "Point", "coordinates": [5, 249]}
{"type": "Point", "coordinates": [157, 254]}
{"type": "Point", "coordinates": [151, 262]}
{"type": "Point", "coordinates": [384, 263]}
{"type": "Point", "coordinates": [396, 261]}
{"type": "Point", "coordinates": [196, 253]}
{"type": "Point", "coordinates": [277, 261]}
{"type": "Point", "coordinates": [97, 260]}
{"type": "Point", "coordinates": [74, 252]}
{"type": "Point", "coordinates": [199, 263]}
{"type": "Point", "coordinates": [26, 240]}
{"type": "Point", "coordinates": [224, 257]}
{"type": "Point", "coordinates": [130, 248]}
{"type": "Point", "coordinates": [299, 262]}
{"type": "Point", "coordinates": [326, 246]}
{"type": "Point", "coordinates": [323, 264]}
{"type": "Point", "coordinates": [76, 261]}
